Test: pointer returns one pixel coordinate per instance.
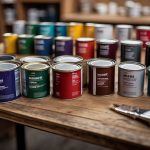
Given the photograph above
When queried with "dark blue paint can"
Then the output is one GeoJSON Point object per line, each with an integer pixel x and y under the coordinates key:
{"type": "Point", "coordinates": [63, 46]}
{"type": "Point", "coordinates": [9, 80]}
{"type": "Point", "coordinates": [43, 45]}
{"type": "Point", "coordinates": [61, 29]}
{"type": "Point", "coordinates": [5, 57]}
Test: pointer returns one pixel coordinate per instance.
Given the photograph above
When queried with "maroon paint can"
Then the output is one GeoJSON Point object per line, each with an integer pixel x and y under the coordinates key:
{"type": "Point", "coordinates": [147, 56]}
{"type": "Point", "coordinates": [67, 80]}
{"type": "Point", "coordinates": [101, 76]}
{"type": "Point", "coordinates": [143, 34]}
{"type": "Point", "coordinates": [107, 48]}
{"type": "Point", "coordinates": [85, 47]}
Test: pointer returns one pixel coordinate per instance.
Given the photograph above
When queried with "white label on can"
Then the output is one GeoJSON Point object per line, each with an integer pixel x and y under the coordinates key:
{"type": "Point", "coordinates": [17, 81]}
{"type": "Point", "coordinates": [102, 80]}
{"type": "Point", "coordinates": [130, 53]}
{"type": "Point", "coordinates": [75, 81]}
{"type": "Point", "coordinates": [104, 50]}
{"type": "Point", "coordinates": [60, 46]}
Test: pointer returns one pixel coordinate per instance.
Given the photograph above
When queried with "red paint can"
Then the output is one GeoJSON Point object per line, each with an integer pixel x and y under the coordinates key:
{"type": "Point", "coordinates": [101, 76]}
{"type": "Point", "coordinates": [67, 80]}
{"type": "Point", "coordinates": [85, 47]}
{"type": "Point", "coordinates": [107, 48]}
{"type": "Point", "coordinates": [143, 34]}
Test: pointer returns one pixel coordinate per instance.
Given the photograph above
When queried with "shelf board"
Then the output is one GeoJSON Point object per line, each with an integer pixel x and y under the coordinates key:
{"type": "Point", "coordinates": [145, 20]}
{"type": "Point", "coordinates": [40, 1]}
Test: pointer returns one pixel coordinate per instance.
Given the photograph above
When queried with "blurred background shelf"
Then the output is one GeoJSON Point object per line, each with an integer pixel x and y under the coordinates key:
{"type": "Point", "coordinates": [41, 1]}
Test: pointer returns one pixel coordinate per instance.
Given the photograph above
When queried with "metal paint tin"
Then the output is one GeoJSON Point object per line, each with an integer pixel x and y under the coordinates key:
{"type": "Point", "coordinates": [107, 48]}
{"type": "Point", "coordinates": [67, 80]}
{"type": "Point", "coordinates": [148, 84]}
{"type": "Point", "coordinates": [74, 60]}
{"type": "Point", "coordinates": [10, 43]}
{"type": "Point", "coordinates": [61, 29]}
{"type": "Point", "coordinates": [103, 31]}
{"type": "Point", "coordinates": [35, 80]}
{"type": "Point", "coordinates": [5, 57]}
{"type": "Point", "coordinates": [43, 45]}
{"type": "Point", "coordinates": [75, 30]}
{"type": "Point", "coordinates": [89, 30]}
{"type": "Point", "coordinates": [131, 50]}
{"type": "Point", "coordinates": [124, 32]}
{"type": "Point", "coordinates": [101, 76]}
{"type": "Point", "coordinates": [19, 27]}
{"type": "Point", "coordinates": [47, 29]}
{"type": "Point", "coordinates": [131, 79]}
{"type": "Point", "coordinates": [143, 34]}
{"type": "Point", "coordinates": [32, 28]}
{"type": "Point", "coordinates": [85, 47]}
{"type": "Point", "coordinates": [26, 44]}
{"type": "Point", "coordinates": [147, 55]}
{"type": "Point", "coordinates": [63, 46]}
{"type": "Point", "coordinates": [42, 59]}
{"type": "Point", "coordinates": [9, 80]}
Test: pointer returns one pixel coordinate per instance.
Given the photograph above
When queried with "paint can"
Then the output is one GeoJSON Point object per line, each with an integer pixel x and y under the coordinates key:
{"type": "Point", "coordinates": [26, 44]}
{"type": "Point", "coordinates": [5, 57]}
{"type": "Point", "coordinates": [19, 27]}
{"type": "Point", "coordinates": [75, 30]}
{"type": "Point", "coordinates": [124, 32]}
{"type": "Point", "coordinates": [101, 76]}
{"type": "Point", "coordinates": [35, 80]}
{"type": "Point", "coordinates": [43, 45]}
{"type": "Point", "coordinates": [103, 31]}
{"type": "Point", "coordinates": [67, 80]}
{"type": "Point", "coordinates": [74, 60]}
{"type": "Point", "coordinates": [47, 29]}
{"type": "Point", "coordinates": [143, 34]}
{"type": "Point", "coordinates": [61, 29]}
{"type": "Point", "coordinates": [10, 43]}
{"type": "Point", "coordinates": [131, 50]}
{"type": "Point", "coordinates": [42, 59]}
{"type": "Point", "coordinates": [131, 79]}
{"type": "Point", "coordinates": [107, 48]}
{"type": "Point", "coordinates": [147, 55]}
{"type": "Point", "coordinates": [85, 47]}
{"type": "Point", "coordinates": [89, 30]}
{"type": "Point", "coordinates": [148, 84]}
{"type": "Point", "coordinates": [32, 28]}
{"type": "Point", "coordinates": [63, 46]}
{"type": "Point", "coordinates": [9, 80]}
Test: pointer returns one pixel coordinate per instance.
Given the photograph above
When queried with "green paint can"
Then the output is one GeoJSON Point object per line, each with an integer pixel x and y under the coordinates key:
{"type": "Point", "coordinates": [32, 28]}
{"type": "Point", "coordinates": [35, 80]}
{"type": "Point", "coordinates": [26, 44]}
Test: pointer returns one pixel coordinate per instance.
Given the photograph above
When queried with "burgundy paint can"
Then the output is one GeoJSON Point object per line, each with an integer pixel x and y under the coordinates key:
{"type": "Point", "coordinates": [67, 80]}
{"type": "Point", "coordinates": [143, 34]}
{"type": "Point", "coordinates": [85, 47]}
{"type": "Point", "coordinates": [147, 57]}
{"type": "Point", "coordinates": [107, 48]}
{"type": "Point", "coordinates": [63, 46]}
{"type": "Point", "coordinates": [101, 76]}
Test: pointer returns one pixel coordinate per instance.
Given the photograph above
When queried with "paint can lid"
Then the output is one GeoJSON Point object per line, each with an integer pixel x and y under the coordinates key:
{"type": "Point", "coordinates": [75, 23]}
{"type": "Point", "coordinates": [68, 59]}
{"type": "Point", "coordinates": [8, 66]}
{"type": "Point", "coordinates": [143, 27]}
{"type": "Point", "coordinates": [90, 24]}
{"type": "Point", "coordinates": [5, 57]}
{"type": "Point", "coordinates": [42, 37]}
{"type": "Point", "coordinates": [85, 39]}
{"type": "Point", "coordinates": [101, 62]}
{"type": "Point", "coordinates": [47, 23]}
{"type": "Point", "coordinates": [10, 34]}
{"type": "Point", "coordinates": [60, 23]}
{"type": "Point", "coordinates": [131, 42]}
{"type": "Point", "coordinates": [106, 41]}
{"type": "Point", "coordinates": [132, 66]}
{"type": "Point", "coordinates": [63, 38]}
{"type": "Point", "coordinates": [66, 67]}
{"type": "Point", "coordinates": [26, 36]}
{"type": "Point", "coordinates": [124, 26]}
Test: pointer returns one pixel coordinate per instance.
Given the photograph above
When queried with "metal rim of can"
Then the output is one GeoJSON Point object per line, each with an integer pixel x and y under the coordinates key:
{"type": "Point", "coordinates": [71, 60]}
{"type": "Point", "coordinates": [143, 27]}
{"type": "Point", "coordinates": [14, 64]}
{"type": "Point", "coordinates": [90, 24]}
{"type": "Point", "coordinates": [6, 55]}
{"type": "Point", "coordinates": [124, 26]}
{"type": "Point", "coordinates": [147, 44]}
{"type": "Point", "coordinates": [101, 62]}
{"type": "Point", "coordinates": [33, 23]}
{"type": "Point", "coordinates": [43, 59]}
{"type": "Point", "coordinates": [60, 23]}
{"type": "Point", "coordinates": [19, 21]}
{"type": "Point", "coordinates": [35, 66]}
{"type": "Point", "coordinates": [71, 67]}
{"type": "Point", "coordinates": [103, 25]}
{"type": "Point", "coordinates": [26, 36]}
{"type": "Point", "coordinates": [47, 23]}
{"type": "Point", "coordinates": [135, 66]}
{"type": "Point", "coordinates": [75, 23]}
{"type": "Point", "coordinates": [131, 42]}
{"type": "Point", "coordinates": [63, 38]}
{"type": "Point", "coordinates": [84, 39]}
{"type": "Point", "coordinates": [107, 41]}
{"type": "Point", "coordinates": [9, 34]}
{"type": "Point", "coordinates": [41, 37]}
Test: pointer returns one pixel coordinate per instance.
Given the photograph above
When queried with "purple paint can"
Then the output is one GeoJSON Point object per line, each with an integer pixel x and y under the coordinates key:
{"type": "Point", "coordinates": [63, 46]}
{"type": "Point", "coordinates": [107, 48]}
{"type": "Point", "coordinates": [9, 80]}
